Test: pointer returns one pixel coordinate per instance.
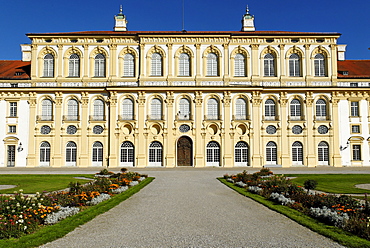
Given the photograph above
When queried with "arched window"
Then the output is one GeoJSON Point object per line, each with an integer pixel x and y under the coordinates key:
{"type": "Point", "coordinates": [184, 65]}
{"type": "Point", "coordinates": [49, 65]}
{"type": "Point", "coordinates": [155, 154]}
{"type": "Point", "coordinates": [212, 65]}
{"type": "Point", "coordinates": [269, 65]}
{"type": "Point", "coordinates": [156, 65]}
{"type": "Point", "coordinates": [271, 153]}
{"type": "Point", "coordinates": [240, 109]}
{"type": "Point", "coordinates": [47, 110]}
{"type": "Point", "coordinates": [100, 65]}
{"type": "Point", "coordinates": [128, 65]}
{"type": "Point", "coordinates": [319, 62]}
{"type": "Point", "coordinates": [74, 65]}
{"type": "Point", "coordinates": [212, 109]}
{"type": "Point", "coordinates": [295, 108]}
{"type": "Point", "coordinates": [213, 154]}
{"type": "Point", "coordinates": [44, 152]}
{"type": "Point", "coordinates": [241, 154]}
{"type": "Point", "coordinates": [127, 109]}
{"type": "Point", "coordinates": [98, 110]}
{"type": "Point", "coordinates": [323, 153]}
{"type": "Point", "coordinates": [127, 154]}
{"type": "Point", "coordinates": [72, 106]}
{"type": "Point", "coordinates": [184, 109]}
{"type": "Point", "coordinates": [156, 109]}
{"type": "Point", "coordinates": [294, 65]}
{"type": "Point", "coordinates": [97, 152]}
{"type": "Point", "coordinates": [239, 65]}
{"type": "Point", "coordinates": [321, 108]}
{"type": "Point", "coordinates": [297, 153]}
{"type": "Point", "coordinates": [71, 152]}
{"type": "Point", "coordinates": [270, 109]}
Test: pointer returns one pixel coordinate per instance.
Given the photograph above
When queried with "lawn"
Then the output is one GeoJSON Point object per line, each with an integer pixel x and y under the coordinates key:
{"type": "Point", "coordinates": [335, 183]}
{"type": "Point", "coordinates": [39, 183]}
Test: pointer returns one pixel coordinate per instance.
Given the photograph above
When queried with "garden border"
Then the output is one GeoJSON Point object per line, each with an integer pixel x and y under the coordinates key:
{"type": "Point", "coordinates": [49, 233]}
{"type": "Point", "coordinates": [342, 237]}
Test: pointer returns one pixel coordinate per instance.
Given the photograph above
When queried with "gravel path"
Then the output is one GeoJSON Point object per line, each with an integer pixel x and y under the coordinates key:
{"type": "Point", "coordinates": [190, 209]}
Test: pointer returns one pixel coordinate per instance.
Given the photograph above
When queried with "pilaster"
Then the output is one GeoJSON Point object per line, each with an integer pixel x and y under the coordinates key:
{"type": "Point", "coordinates": [58, 141]}
{"type": "Point", "coordinates": [171, 142]}
{"type": "Point", "coordinates": [84, 150]}
{"type": "Point", "coordinates": [257, 158]}
{"type": "Point", "coordinates": [226, 141]}
{"type": "Point", "coordinates": [335, 144]}
{"type": "Point", "coordinates": [113, 60]}
{"type": "Point", "coordinates": [284, 143]}
{"type": "Point", "coordinates": [113, 162]}
{"type": "Point", "coordinates": [199, 137]}
{"type": "Point", "coordinates": [142, 136]}
{"type": "Point", "coordinates": [310, 144]}
{"type": "Point", "coordinates": [31, 158]}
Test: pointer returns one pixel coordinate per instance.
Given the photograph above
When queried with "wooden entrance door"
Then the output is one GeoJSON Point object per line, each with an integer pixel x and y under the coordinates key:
{"type": "Point", "coordinates": [184, 152]}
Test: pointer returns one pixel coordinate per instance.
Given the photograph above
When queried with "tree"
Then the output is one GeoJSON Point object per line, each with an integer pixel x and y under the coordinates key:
{"type": "Point", "coordinates": [310, 184]}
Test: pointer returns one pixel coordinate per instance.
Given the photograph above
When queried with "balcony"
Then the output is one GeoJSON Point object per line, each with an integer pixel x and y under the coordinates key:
{"type": "Point", "coordinates": [296, 118]}
{"type": "Point", "coordinates": [241, 117]}
{"type": "Point", "coordinates": [44, 118]}
{"type": "Point", "coordinates": [126, 117]}
{"type": "Point", "coordinates": [212, 117]}
{"type": "Point", "coordinates": [155, 117]}
{"type": "Point", "coordinates": [182, 117]}
{"type": "Point", "coordinates": [97, 118]}
{"type": "Point", "coordinates": [71, 118]}
{"type": "Point", "coordinates": [322, 118]}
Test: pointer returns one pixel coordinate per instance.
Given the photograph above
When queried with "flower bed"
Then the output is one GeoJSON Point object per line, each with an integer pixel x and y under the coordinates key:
{"type": "Point", "coordinates": [23, 214]}
{"type": "Point", "coordinates": [342, 211]}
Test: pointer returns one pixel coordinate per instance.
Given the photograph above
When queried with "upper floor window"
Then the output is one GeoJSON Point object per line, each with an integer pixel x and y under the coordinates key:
{"type": "Point", "coordinates": [294, 65]}
{"type": "Point", "coordinates": [98, 110]}
{"type": "Point", "coordinates": [239, 65]}
{"type": "Point", "coordinates": [47, 110]}
{"type": "Point", "coordinates": [72, 106]}
{"type": "Point", "coordinates": [212, 65]}
{"type": "Point", "coordinates": [13, 109]}
{"type": "Point", "coordinates": [295, 108]}
{"type": "Point", "coordinates": [128, 65]}
{"type": "Point", "coordinates": [319, 62]}
{"type": "Point", "coordinates": [355, 109]}
{"type": "Point", "coordinates": [184, 65]}
{"type": "Point", "coordinates": [100, 65]}
{"type": "Point", "coordinates": [127, 109]}
{"type": "Point", "coordinates": [156, 64]}
{"type": "Point", "coordinates": [321, 108]}
{"type": "Point", "coordinates": [49, 65]}
{"type": "Point", "coordinates": [156, 109]}
{"type": "Point", "coordinates": [269, 65]}
{"type": "Point", "coordinates": [240, 109]}
{"type": "Point", "coordinates": [74, 65]}
{"type": "Point", "coordinates": [270, 108]}
{"type": "Point", "coordinates": [184, 109]}
{"type": "Point", "coordinates": [212, 109]}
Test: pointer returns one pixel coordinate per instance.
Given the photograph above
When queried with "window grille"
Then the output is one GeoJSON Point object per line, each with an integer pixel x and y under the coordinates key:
{"type": "Point", "coordinates": [127, 152]}
{"type": "Point", "coordinates": [321, 108]}
{"type": "Point", "coordinates": [100, 65]}
{"type": "Point", "coordinates": [271, 152]}
{"type": "Point", "coordinates": [156, 109]}
{"type": "Point", "coordinates": [184, 65]}
{"type": "Point", "coordinates": [319, 62]}
{"type": "Point", "coordinates": [71, 152]}
{"type": "Point", "coordinates": [47, 109]}
{"type": "Point", "coordinates": [295, 108]}
{"type": "Point", "coordinates": [49, 65]}
{"type": "Point", "coordinates": [297, 152]}
{"type": "Point", "coordinates": [74, 65]}
{"type": "Point", "coordinates": [155, 152]}
{"type": "Point", "coordinates": [294, 65]}
{"type": "Point", "coordinates": [13, 109]}
{"type": "Point", "coordinates": [44, 152]}
{"type": "Point", "coordinates": [239, 65]}
{"type": "Point", "coordinates": [213, 152]}
{"type": "Point", "coordinates": [212, 65]}
{"type": "Point", "coordinates": [323, 152]}
{"type": "Point", "coordinates": [269, 65]}
{"type": "Point", "coordinates": [98, 110]}
{"type": "Point", "coordinates": [72, 109]}
{"type": "Point", "coordinates": [128, 65]}
{"type": "Point", "coordinates": [127, 109]}
{"type": "Point", "coordinates": [270, 107]}
{"type": "Point", "coordinates": [356, 129]}
{"type": "Point", "coordinates": [156, 64]}
{"type": "Point", "coordinates": [97, 155]}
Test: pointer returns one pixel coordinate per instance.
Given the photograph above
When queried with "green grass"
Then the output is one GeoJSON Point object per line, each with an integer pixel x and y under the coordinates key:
{"type": "Point", "coordinates": [334, 233]}
{"type": "Point", "coordinates": [335, 183]}
{"type": "Point", "coordinates": [39, 183]}
{"type": "Point", "coordinates": [49, 233]}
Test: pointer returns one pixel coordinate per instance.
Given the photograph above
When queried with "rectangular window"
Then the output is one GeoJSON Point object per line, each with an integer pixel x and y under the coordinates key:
{"type": "Point", "coordinates": [355, 109]}
{"type": "Point", "coordinates": [355, 128]}
{"type": "Point", "coordinates": [12, 129]}
{"type": "Point", "coordinates": [13, 109]}
{"type": "Point", "coordinates": [356, 152]}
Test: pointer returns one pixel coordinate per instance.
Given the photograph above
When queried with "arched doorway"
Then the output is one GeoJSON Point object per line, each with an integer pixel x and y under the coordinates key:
{"type": "Point", "coordinates": [184, 152]}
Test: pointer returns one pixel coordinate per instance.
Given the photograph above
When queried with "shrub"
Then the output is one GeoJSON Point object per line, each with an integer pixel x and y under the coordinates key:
{"type": "Point", "coordinates": [310, 184]}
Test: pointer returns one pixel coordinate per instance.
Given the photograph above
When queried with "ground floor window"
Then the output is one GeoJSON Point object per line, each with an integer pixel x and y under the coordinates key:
{"type": "Point", "coordinates": [323, 153]}
{"type": "Point", "coordinates": [297, 152]}
{"type": "Point", "coordinates": [45, 152]}
{"type": "Point", "coordinates": [213, 154]}
{"type": "Point", "coordinates": [71, 152]}
{"type": "Point", "coordinates": [241, 153]}
{"type": "Point", "coordinates": [155, 154]}
{"type": "Point", "coordinates": [127, 154]}
{"type": "Point", "coordinates": [356, 152]}
{"type": "Point", "coordinates": [97, 155]}
{"type": "Point", "coordinates": [271, 153]}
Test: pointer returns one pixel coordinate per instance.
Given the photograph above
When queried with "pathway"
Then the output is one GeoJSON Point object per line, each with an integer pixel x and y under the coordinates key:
{"type": "Point", "coordinates": [190, 209]}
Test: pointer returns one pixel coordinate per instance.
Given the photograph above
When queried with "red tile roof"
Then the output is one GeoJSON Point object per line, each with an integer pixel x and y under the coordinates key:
{"type": "Point", "coordinates": [249, 33]}
{"type": "Point", "coordinates": [355, 69]}
{"type": "Point", "coordinates": [15, 69]}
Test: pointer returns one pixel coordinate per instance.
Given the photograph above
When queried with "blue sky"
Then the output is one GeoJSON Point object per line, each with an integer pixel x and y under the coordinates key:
{"type": "Point", "coordinates": [350, 18]}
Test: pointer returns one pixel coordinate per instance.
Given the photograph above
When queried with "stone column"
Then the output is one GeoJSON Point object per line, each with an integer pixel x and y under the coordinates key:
{"type": "Point", "coordinates": [198, 63]}
{"type": "Point", "coordinates": [226, 64]}
{"type": "Point", "coordinates": [113, 60]}
{"type": "Point", "coordinates": [170, 61]}
{"type": "Point", "coordinates": [308, 60]}
{"type": "Point", "coordinates": [227, 143]}
{"type": "Point", "coordinates": [284, 140]}
{"type": "Point", "coordinates": [85, 64]}
{"type": "Point", "coordinates": [171, 139]}
{"type": "Point", "coordinates": [112, 129]}
{"type": "Point", "coordinates": [282, 69]}
{"type": "Point", "coordinates": [34, 61]}
{"type": "Point", "coordinates": [59, 66]}
{"type": "Point", "coordinates": [58, 141]}
{"type": "Point", "coordinates": [335, 144]}
{"type": "Point", "coordinates": [142, 60]}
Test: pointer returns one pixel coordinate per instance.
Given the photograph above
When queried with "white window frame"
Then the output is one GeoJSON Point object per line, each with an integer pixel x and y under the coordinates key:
{"type": "Point", "coordinates": [13, 109]}
{"type": "Point", "coordinates": [294, 65]}
{"type": "Point", "coordinates": [156, 109]}
{"type": "Point", "coordinates": [157, 65]}
{"type": "Point", "coordinates": [212, 65]}
{"type": "Point", "coordinates": [269, 65]}
{"type": "Point", "coordinates": [297, 153]}
{"type": "Point", "coordinates": [44, 153]}
{"type": "Point", "coordinates": [323, 153]}
{"type": "Point", "coordinates": [129, 65]}
{"type": "Point", "coordinates": [240, 109]}
{"type": "Point", "coordinates": [100, 64]}
{"type": "Point", "coordinates": [47, 110]}
{"type": "Point", "coordinates": [127, 154]}
{"type": "Point", "coordinates": [213, 109]}
{"type": "Point", "coordinates": [213, 154]}
{"type": "Point", "coordinates": [184, 65]}
{"type": "Point", "coordinates": [97, 154]}
{"type": "Point", "coordinates": [99, 112]}
{"type": "Point", "coordinates": [184, 109]}
{"type": "Point", "coordinates": [270, 109]}
{"type": "Point", "coordinates": [321, 109]}
{"type": "Point", "coordinates": [155, 154]}
{"type": "Point", "coordinates": [355, 109]}
{"type": "Point", "coordinates": [295, 109]}
{"type": "Point", "coordinates": [356, 152]}
{"type": "Point", "coordinates": [319, 65]}
{"type": "Point", "coordinates": [127, 109]}
{"type": "Point", "coordinates": [271, 153]}
{"type": "Point", "coordinates": [239, 65]}
{"type": "Point", "coordinates": [72, 110]}
{"type": "Point", "coordinates": [241, 154]}
{"type": "Point", "coordinates": [74, 65]}
{"type": "Point", "coordinates": [48, 65]}
{"type": "Point", "coordinates": [71, 153]}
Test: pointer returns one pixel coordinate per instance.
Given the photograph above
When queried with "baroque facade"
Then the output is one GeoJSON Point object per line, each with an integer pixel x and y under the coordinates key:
{"type": "Point", "coordinates": [151, 98]}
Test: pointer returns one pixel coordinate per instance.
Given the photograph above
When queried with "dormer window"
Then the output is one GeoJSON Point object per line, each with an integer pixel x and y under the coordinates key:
{"type": "Point", "coordinates": [345, 73]}
{"type": "Point", "coordinates": [18, 73]}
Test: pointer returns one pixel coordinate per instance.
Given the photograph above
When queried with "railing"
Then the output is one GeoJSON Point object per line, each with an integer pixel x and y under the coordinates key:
{"type": "Point", "coordinates": [71, 118]}
{"type": "Point", "coordinates": [44, 118]}
{"type": "Point", "coordinates": [126, 117]}
{"type": "Point", "coordinates": [241, 117]}
{"type": "Point", "coordinates": [155, 117]}
{"type": "Point", "coordinates": [181, 117]}
{"type": "Point", "coordinates": [212, 117]}
{"type": "Point", "coordinates": [97, 117]}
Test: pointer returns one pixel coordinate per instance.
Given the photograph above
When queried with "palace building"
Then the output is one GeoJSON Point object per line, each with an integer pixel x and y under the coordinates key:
{"type": "Point", "coordinates": [184, 98]}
